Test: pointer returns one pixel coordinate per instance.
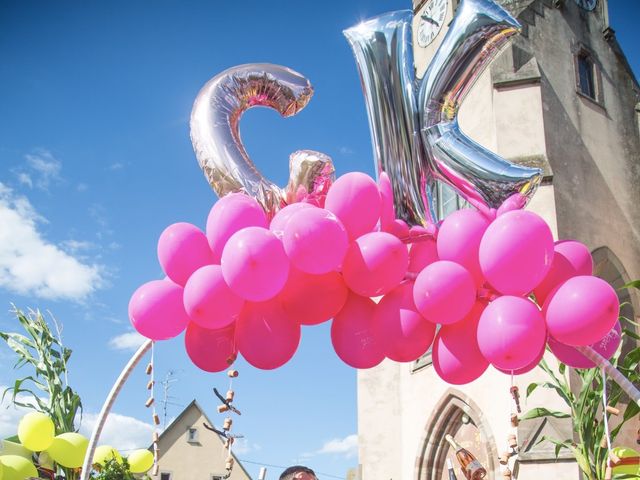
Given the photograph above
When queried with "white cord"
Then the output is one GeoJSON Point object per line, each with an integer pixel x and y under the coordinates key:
{"type": "Point", "coordinates": [606, 421]}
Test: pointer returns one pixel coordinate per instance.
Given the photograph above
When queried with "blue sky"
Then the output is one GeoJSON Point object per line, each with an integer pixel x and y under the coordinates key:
{"type": "Point", "coordinates": [96, 162]}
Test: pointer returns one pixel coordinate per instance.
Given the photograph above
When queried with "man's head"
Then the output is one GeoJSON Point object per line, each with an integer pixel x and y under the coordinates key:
{"type": "Point", "coordinates": [298, 472]}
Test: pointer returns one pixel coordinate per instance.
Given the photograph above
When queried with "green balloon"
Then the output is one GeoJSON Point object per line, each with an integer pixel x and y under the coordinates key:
{"type": "Point", "coordinates": [15, 467]}
{"type": "Point", "coordinates": [36, 431]}
{"type": "Point", "coordinates": [140, 461]}
{"type": "Point", "coordinates": [68, 449]}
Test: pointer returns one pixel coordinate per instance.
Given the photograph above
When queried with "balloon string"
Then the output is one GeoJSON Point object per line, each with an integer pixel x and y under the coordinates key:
{"type": "Point", "coordinates": [628, 387]}
{"type": "Point", "coordinates": [604, 411]}
{"type": "Point", "coordinates": [153, 395]}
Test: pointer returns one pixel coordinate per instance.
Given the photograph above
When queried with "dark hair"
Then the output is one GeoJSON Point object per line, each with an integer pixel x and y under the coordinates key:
{"type": "Point", "coordinates": [291, 471]}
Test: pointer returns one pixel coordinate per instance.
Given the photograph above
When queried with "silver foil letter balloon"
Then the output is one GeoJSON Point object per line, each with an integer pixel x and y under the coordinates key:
{"type": "Point", "coordinates": [215, 133]}
{"type": "Point", "coordinates": [482, 177]}
{"type": "Point", "coordinates": [417, 152]}
{"type": "Point", "coordinates": [382, 48]}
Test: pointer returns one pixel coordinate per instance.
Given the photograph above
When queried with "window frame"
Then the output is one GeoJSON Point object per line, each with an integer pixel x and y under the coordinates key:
{"type": "Point", "coordinates": [196, 435]}
{"type": "Point", "coordinates": [581, 55]}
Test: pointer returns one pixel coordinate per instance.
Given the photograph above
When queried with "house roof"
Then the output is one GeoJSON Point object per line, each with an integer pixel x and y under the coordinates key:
{"type": "Point", "coordinates": [176, 422]}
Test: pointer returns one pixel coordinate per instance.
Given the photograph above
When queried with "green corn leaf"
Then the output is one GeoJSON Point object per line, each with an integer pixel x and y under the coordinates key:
{"type": "Point", "coordinates": [634, 284]}
{"type": "Point", "coordinates": [540, 412]}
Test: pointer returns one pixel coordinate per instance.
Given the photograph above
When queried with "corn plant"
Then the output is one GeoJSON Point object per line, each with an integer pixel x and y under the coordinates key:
{"type": "Point", "coordinates": [46, 388]}
{"type": "Point", "coordinates": [115, 470]}
{"type": "Point", "coordinates": [588, 444]}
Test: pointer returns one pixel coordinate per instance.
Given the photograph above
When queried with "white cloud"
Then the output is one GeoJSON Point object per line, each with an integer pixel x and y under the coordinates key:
{"type": "Point", "coordinates": [82, 187]}
{"type": "Point", "coordinates": [120, 431]}
{"type": "Point", "coordinates": [116, 166]}
{"type": "Point", "coordinates": [129, 341]}
{"type": "Point", "coordinates": [10, 415]}
{"type": "Point", "coordinates": [74, 246]}
{"type": "Point", "coordinates": [25, 179]}
{"type": "Point", "coordinates": [242, 446]}
{"type": "Point", "coordinates": [43, 168]}
{"type": "Point", "coordinates": [347, 447]}
{"type": "Point", "coordinates": [30, 265]}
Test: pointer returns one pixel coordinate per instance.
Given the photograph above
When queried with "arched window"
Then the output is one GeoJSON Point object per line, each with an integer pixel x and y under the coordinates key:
{"type": "Point", "coordinates": [455, 415]}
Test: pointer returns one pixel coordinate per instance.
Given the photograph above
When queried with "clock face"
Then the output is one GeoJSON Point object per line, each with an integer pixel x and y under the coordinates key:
{"type": "Point", "coordinates": [587, 4]}
{"type": "Point", "coordinates": [431, 21]}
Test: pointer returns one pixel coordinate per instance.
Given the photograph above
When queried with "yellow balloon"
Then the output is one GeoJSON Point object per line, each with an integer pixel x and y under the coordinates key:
{"type": "Point", "coordinates": [15, 467]}
{"type": "Point", "coordinates": [622, 453]}
{"type": "Point", "coordinates": [45, 461]}
{"type": "Point", "coordinates": [1, 468]}
{"type": "Point", "coordinates": [36, 431]}
{"type": "Point", "coordinates": [140, 461]}
{"type": "Point", "coordinates": [104, 453]}
{"type": "Point", "coordinates": [11, 448]}
{"type": "Point", "coordinates": [68, 449]}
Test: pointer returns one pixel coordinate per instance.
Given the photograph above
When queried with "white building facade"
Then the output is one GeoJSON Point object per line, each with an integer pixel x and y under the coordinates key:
{"type": "Point", "coordinates": [561, 97]}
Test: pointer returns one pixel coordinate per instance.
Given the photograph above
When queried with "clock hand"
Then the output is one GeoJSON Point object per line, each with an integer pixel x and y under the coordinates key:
{"type": "Point", "coordinates": [430, 20]}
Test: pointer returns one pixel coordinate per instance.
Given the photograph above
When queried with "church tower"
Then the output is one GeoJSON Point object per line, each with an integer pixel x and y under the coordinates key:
{"type": "Point", "coordinates": [561, 96]}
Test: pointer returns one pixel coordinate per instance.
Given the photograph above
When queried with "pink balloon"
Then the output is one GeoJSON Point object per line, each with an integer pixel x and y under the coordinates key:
{"type": "Point", "coordinates": [254, 264]}
{"type": "Point", "coordinates": [266, 337]}
{"type": "Point", "coordinates": [514, 202]}
{"type": "Point", "coordinates": [230, 214]}
{"type": "Point", "coordinates": [456, 356]}
{"type": "Point", "coordinates": [578, 255]}
{"type": "Point", "coordinates": [561, 270]}
{"type": "Point", "coordinates": [582, 310]}
{"type": "Point", "coordinates": [527, 368]}
{"type": "Point", "coordinates": [516, 252]}
{"type": "Point", "coordinates": [606, 347]}
{"type": "Point", "coordinates": [211, 350]}
{"type": "Point", "coordinates": [182, 249]}
{"type": "Point", "coordinates": [421, 254]}
{"type": "Point", "coordinates": [315, 241]}
{"type": "Point", "coordinates": [459, 240]}
{"type": "Point", "coordinates": [403, 332]}
{"type": "Point", "coordinates": [511, 332]}
{"type": "Point", "coordinates": [375, 264]}
{"type": "Point", "coordinates": [156, 310]}
{"type": "Point", "coordinates": [444, 292]}
{"type": "Point", "coordinates": [209, 301]}
{"type": "Point", "coordinates": [353, 336]}
{"type": "Point", "coordinates": [387, 212]}
{"type": "Point", "coordinates": [313, 299]}
{"type": "Point", "coordinates": [354, 198]}
{"type": "Point", "coordinates": [398, 228]}
{"type": "Point", "coordinates": [281, 219]}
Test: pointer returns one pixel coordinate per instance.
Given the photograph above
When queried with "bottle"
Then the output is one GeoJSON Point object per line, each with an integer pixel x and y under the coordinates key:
{"type": "Point", "coordinates": [471, 467]}
{"type": "Point", "coordinates": [452, 474]}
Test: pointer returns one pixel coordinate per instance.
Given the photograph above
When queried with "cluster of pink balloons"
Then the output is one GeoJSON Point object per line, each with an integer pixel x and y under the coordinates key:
{"type": "Point", "coordinates": [525, 291]}
{"type": "Point", "coordinates": [248, 284]}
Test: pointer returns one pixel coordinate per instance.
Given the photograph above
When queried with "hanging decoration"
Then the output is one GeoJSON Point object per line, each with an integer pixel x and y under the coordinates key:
{"type": "Point", "coordinates": [225, 433]}
{"type": "Point", "coordinates": [492, 277]}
